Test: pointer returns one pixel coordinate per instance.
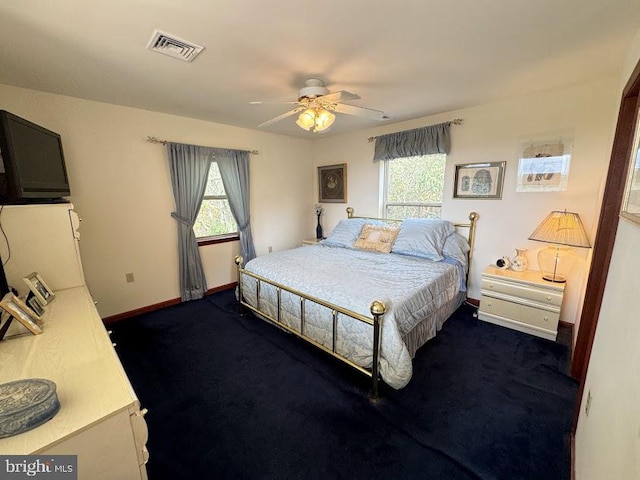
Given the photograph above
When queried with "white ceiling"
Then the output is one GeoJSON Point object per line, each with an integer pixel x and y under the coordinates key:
{"type": "Point", "coordinates": [407, 58]}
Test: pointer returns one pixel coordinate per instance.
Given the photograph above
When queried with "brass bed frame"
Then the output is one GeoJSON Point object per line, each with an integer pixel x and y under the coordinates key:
{"type": "Point", "coordinates": [377, 308]}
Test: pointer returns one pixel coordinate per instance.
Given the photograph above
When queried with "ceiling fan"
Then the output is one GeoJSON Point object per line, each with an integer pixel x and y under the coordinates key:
{"type": "Point", "coordinates": [316, 106]}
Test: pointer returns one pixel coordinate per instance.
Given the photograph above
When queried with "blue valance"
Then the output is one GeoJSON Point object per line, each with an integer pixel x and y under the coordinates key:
{"type": "Point", "coordinates": [411, 143]}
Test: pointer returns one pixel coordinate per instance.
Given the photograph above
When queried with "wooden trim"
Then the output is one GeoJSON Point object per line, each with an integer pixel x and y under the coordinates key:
{"type": "Point", "coordinates": [213, 241]}
{"type": "Point", "coordinates": [606, 234]}
{"type": "Point", "coordinates": [572, 440]}
{"type": "Point", "coordinates": [474, 302]}
{"type": "Point", "coordinates": [158, 306]}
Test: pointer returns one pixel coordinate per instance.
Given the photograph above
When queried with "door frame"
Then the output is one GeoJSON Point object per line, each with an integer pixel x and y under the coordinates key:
{"type": "Point", "coordinates": [606, 233]}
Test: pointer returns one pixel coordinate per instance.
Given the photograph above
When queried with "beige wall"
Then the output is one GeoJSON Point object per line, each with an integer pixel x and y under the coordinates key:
{"type": "Point", "coordinates": [608, 439]}
{"type": "Point", "coordinates": [494, 132]}
{"type": "Point", "coordinates": [121, 189]}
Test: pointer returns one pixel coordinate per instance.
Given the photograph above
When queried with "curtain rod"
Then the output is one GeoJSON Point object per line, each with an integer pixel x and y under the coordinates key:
{"type": "Point", "coordinates": [164, 142]}
{"type": "Point", "coordinates": [457, 121]}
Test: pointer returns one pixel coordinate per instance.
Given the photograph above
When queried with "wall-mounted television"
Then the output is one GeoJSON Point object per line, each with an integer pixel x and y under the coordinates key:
{"type": "Point", "coordinates": [33, 168]}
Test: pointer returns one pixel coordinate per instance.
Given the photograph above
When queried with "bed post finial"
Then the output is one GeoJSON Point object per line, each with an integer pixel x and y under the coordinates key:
{"type": "Point", "coordinates": [378, 309]}
{"type": "Point", "coordinates": [238, 260]}
{"type": "Point", "coordinates": [349, 212]}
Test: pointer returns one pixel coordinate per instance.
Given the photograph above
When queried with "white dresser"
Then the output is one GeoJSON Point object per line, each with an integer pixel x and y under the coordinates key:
{"type": "Point", "coordinates": [522, 301]}
{"type": "Point", "coordinates": [100, 419]}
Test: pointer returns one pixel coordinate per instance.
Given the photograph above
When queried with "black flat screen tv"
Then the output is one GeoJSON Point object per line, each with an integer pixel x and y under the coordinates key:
{"type": "Point", "coordinates": [33, 162]}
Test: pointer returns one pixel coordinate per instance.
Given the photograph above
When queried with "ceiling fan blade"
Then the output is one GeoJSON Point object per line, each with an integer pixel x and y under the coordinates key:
{"type": "Point", "coordinates": [341, 96]}
{"type": "Point", "coordinates": [281, 117]}
{"type": "Point", "coordinates": [360, 111]}
{"type": "Point", "coordinates": [280, 103]}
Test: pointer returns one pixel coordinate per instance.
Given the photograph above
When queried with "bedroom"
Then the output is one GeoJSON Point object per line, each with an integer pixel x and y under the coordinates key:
{"type": "Point", "coordinates": [119, 179]}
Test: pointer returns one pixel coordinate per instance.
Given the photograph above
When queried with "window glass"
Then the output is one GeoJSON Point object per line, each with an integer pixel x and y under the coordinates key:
{"type": "Point", "coordinates": [413, 186]}
{"type": "Point", "coordinates": [215, 218]}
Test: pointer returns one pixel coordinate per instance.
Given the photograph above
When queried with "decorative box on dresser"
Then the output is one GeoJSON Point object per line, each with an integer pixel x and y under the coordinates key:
{"type": "Point", "coordinates": [100, 419]}
{"type": "Point", "coordinates": [522, 301]}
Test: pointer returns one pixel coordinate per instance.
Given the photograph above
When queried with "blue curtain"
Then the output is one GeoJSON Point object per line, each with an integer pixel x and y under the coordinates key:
{"type": "Point", "coordinates": [411, 143]}
{"type": "Point", "coordinates": [189, 165]}
{"type": "Point", "coordinates": [234, 170]}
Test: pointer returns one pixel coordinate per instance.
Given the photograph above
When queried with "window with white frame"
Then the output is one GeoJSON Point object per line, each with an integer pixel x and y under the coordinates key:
{"type": "Point", "coordinates": [413, 186]}
{"type": "Point", "coordinates": [215, 219]}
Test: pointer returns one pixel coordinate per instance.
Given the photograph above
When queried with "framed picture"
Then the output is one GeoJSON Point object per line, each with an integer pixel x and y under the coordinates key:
{"type": "Point", "coordinates": [479, 180]}
{"type": "Point", "coordinates": [39, 288]}
{"type": "Point", "coordinates": [21, 312]}
{"type": "Point", "coordinates": [631, 200]}
{"type": "Point", "coordinates": [544, 167]}
{"type": "Point", "coordinates": [332, 184]}
{"type": "Point", "coordinates": [33, 303]}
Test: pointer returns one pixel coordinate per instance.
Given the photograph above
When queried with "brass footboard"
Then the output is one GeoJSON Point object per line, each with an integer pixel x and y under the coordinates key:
{"type": "Point", "coordinates": [378, 309]}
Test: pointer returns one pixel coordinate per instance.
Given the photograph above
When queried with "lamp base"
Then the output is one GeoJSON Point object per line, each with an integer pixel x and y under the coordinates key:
{"type": "Point", "coordinates": [554, 279]}
{"type": "Point", "coordinates": [556, 261]}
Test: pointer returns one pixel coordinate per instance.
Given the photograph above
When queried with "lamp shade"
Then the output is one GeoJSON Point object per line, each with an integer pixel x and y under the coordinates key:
{"type": "Point", "coordinates": [562, 230]}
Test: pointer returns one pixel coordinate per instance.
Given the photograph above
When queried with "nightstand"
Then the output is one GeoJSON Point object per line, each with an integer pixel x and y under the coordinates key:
{"type": "Point", "coordinates": [311, 241]}
{"type": "Point", "coordinates": [522, 301]}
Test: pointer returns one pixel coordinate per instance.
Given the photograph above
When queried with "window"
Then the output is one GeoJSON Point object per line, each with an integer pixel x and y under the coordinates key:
{"type": "Point", "coordinates": [412, 186]}
{"type": "Point", "coordinates": [215, 218]}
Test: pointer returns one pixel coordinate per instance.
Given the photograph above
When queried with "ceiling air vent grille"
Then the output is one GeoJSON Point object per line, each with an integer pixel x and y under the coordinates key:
{"type": "Point", "coordinates": [173, 46]}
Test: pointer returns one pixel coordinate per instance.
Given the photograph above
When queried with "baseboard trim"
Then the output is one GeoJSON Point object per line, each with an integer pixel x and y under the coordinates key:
{"type": "Point", "coordinates": [473, 302]}
{"type": "Point", "coordinates": [570, 326]}
{"type": "Point", "coordinates": [573, 456]}
{"type": "Point", "coordinates": [158, 306]}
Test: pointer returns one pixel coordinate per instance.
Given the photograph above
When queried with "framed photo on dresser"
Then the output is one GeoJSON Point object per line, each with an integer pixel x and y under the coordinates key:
{"type": "Point", "coordinates": [19, 310]}
{"type": "Point", "coordinates": [39, 288]}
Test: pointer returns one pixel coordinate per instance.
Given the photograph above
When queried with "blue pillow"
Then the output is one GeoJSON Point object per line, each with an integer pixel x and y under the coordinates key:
{"type": "Point", "coordinates": [456, 246]}
{"type": "Point", "coordinates": [423, 237]}
{"type": "Point", "coordinates": [347, 232]}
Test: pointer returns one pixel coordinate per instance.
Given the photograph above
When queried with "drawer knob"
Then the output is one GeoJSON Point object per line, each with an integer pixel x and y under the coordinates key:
{"type": "Point", "coordinates": [546, 319]}
{"type": "Point", "coordinates": [144, 411]}
{"type": "Point", "coordinates": [549, 299]}
{"type": "Point", "coordinates": [114, 344]}
{"type": "Point", "coordinates": [490, 285]}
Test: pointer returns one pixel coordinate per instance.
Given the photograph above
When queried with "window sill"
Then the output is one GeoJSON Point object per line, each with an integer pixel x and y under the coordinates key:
{"type": "Point", "coordinates": [220, 239]}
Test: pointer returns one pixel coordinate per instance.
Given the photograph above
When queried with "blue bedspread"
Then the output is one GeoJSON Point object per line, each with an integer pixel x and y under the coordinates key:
{"type": "Point", "coordinates": [411, 288]}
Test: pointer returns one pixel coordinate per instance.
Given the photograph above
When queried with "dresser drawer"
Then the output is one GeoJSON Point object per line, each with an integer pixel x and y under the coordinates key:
{"type": "Point", "coordinates": [521, 313]}
{"type": "Point", "coordinates": [545, 297]}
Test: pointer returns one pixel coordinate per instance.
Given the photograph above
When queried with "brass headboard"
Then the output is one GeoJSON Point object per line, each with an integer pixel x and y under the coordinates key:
{"type": "Point", "coordinates": [473, 218]}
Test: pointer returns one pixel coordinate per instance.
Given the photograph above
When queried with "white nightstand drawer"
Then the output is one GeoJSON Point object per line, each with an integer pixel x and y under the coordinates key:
{"type": "Point", "coordinates": [521, 313]}
{"type": "Point", "coordinates": [522, 291]}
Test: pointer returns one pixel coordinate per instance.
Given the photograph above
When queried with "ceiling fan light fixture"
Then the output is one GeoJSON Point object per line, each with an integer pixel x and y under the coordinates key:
{"type": "Point", "coordinates": [324, 119]}
{"type": "Point", "coordinates": [307, 119]}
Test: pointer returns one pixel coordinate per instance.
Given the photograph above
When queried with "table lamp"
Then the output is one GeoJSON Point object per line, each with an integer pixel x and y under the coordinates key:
{"type": "Point", "coordinates": [562, 230]}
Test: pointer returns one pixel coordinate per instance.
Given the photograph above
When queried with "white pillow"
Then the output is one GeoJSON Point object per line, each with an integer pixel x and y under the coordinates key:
{"type": "Point", "coordinates": [423, 237]}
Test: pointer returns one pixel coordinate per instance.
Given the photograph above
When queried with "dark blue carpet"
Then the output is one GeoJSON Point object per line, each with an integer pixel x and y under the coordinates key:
{"type": "Point", "coordinates": [233, 397]}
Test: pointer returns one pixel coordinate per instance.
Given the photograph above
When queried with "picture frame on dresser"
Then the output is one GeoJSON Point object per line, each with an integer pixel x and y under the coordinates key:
{"type": "Point", "coordinates": [32, 301]}
{"type": "Point", "coordinates": [19, 310]}
{"type": "Point", "coordinates": [39, 288]}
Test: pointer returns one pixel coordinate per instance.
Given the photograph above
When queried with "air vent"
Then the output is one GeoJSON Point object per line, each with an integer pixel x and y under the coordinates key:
{"type": "Point", "coordinates": [173, 46]}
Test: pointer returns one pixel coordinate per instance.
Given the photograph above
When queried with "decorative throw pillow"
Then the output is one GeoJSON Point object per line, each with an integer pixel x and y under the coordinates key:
{"type": "Point", "coordinates": [377, 238]}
